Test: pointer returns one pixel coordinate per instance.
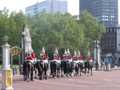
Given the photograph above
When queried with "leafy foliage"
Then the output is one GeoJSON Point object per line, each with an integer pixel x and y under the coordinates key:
{"type": "Point", "coordinates": [52, 30]}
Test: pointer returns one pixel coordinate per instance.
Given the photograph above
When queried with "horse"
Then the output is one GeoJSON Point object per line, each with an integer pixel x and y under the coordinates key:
{"type": "Point", "coordinates": [67, 67]}
{"type": "Point", "coordinates": [88, 65]}
{"type": "Point", "coordinates": [38, 69]}
{"type": "Point", "coordinates": [76, 63]}
{"type": "Point", "coordinates": [45, 69]}
{"type": "Point", "coordinates": [55, 67]}
{"type": "Point", "coordinates": [28, 68]}
{"type": "Point", "coordinates": [81, 67]}
{"type": "Point", "coordinates": [76, 68]}
{"type": "Point", "coordinates": [41, 67]}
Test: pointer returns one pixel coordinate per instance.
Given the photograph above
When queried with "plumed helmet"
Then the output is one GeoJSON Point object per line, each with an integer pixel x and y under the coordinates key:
{"type": "Point", "coordinates": [65, 53]}
{"type": "Point", "coordinates": [56, 51]}
{"type": "Point", "coordinates": [75, 53]}
{"type": "Point", "coordinates": [79, 54]}
{"type": "Point", "coordinates": [88, 53]}
{"type": "Point", "coordinates": [68, 51]}
{"type": "Point", "coordinates": [42, 51]}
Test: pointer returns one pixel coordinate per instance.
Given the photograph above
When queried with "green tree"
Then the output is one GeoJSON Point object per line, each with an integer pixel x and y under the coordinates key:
{"type": "Point", "coordinates": [92, 28]}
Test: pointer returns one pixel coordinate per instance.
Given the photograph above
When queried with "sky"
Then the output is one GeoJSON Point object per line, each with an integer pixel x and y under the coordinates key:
{"type": "Point", "coordinates": [119, 11]}
{"type": "Point", "coordinates": [16, 5]}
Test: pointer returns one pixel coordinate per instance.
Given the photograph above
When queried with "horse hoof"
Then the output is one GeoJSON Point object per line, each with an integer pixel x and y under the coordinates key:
{"type": "Point", "coordinates": [40, 78]}
{"type": "Point", "coordinates": [35, 77]}
{"type": "Point", "coordinates": [27, 80]}
{"type": "Point", "coordinates": [32, 80]}
{"type": "Point", "coordinates": [46, 78]}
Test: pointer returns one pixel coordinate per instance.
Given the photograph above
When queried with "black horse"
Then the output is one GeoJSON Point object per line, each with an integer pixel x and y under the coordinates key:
{"type": "Point", "coordinates": [42, 69]}
{"type": "Point", "coordinates": [77, 68]}
{"type": "Point", "coordinates": [67, 68]}
{"type": "Point", "coordinates": [38, 69]}
{"type": "Point", "coordinates": [28, 69]}
{"type": "Point", "coordinates": [81, 67]}
{"type": "Point", "coordinates": [45, 69]}
{"type": "Point", "coordinates": [88, 67]}
{"type": "Point", "coordinates": [55, 68]}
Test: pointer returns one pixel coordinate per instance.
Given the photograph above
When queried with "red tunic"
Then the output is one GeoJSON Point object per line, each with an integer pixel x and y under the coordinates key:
{"type": "Point", "coordinates": [29, 58]}
{"type": "Point", "coordinates": [74, 58]}
{"type": "Point", "coordinates": [33, 55]}
{"type": "Point", "coordinates": [89, 58]}
{"type": "Point", "coordinates": [80, 57]}
{"type": "Point", "coordinates": [69, 57]}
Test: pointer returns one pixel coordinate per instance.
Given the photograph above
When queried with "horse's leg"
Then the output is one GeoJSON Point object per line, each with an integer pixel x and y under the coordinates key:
{"type": "Point", "coordinates": [81, 70]}
{"type": "Point", "coordinates": [46, 74]}
{"type": "Point", "coordinates": [46, 69]}
{"type": "Point", "coordinates": [91, 71]}
{"type": "Point", "coordinates": [25, 76]}
{"type": "Point", "coordinates": [31, 72]}
{"type": "Point", "coordinates": [40, 75]}
{"type": "Point", "coordinates": [52, 73]}
{"type": "Point", "coordinates": [59, 72]}
{"type": "Point", "coordinates": [62, 72]}
{"type": "Point", "coordinates": [88, 69]}
{"type": "Point", "coordinates": [85, 70]}
{"type": "Point", "coordinates": [77, 70]}
{"type": "Point", "coordinates": [24, 72]}
{"type": "Point", "coordinates": [35, 73]}
{"type": "Point", "coordinates": [107, 67]}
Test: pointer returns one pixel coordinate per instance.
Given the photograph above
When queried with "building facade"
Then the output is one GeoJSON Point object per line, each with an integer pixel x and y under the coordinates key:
{"type": "Point", "coordinates": [105, 11]}
{"type": "Point", "coordinates": [49, 6]}
{"type": "Point", "coordinates": [110, 43]}
{"type": "Point", "coordinates": [109, 40]}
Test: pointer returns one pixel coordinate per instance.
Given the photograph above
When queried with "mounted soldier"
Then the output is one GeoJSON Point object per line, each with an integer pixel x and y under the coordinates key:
{"type": "Point", "coordinates": [63, 63]}
{"type": "Point", "coordinates": [81, 62]}
{"type": "Point", "coordinates": [43, 65]}
{"type": "Point", "coordinates": [89, 63]}
{"type": "Point", "coordinates": [55, 64]}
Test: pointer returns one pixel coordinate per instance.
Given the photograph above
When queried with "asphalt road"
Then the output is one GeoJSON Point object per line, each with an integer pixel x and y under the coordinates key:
{"type": "Point", "coordinates": [99, 81]}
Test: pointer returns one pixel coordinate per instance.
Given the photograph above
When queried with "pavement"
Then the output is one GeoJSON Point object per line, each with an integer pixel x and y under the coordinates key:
{"type": "Point", "coordinates": [100, 80]}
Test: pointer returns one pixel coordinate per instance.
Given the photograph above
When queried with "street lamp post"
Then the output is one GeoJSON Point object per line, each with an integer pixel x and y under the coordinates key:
{"type": "Point", "coordinates": [23, 50]}
{"type": "Point", "coordinates": [7, 75]}
{"type": "Point", "coordinates": [97, 56]}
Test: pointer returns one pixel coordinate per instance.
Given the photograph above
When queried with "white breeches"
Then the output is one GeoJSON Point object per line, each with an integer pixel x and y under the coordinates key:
{"type": "Point", "coordinates": [81, 61]}
{"type": "Point", "coordinates": [77, 61]}
{"type": "Point", "coordinates": [58, 61]}
{"type": "Point", "coordinates": [69, 60]}
{"type": "Point", "coordinates": [45, 61]}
